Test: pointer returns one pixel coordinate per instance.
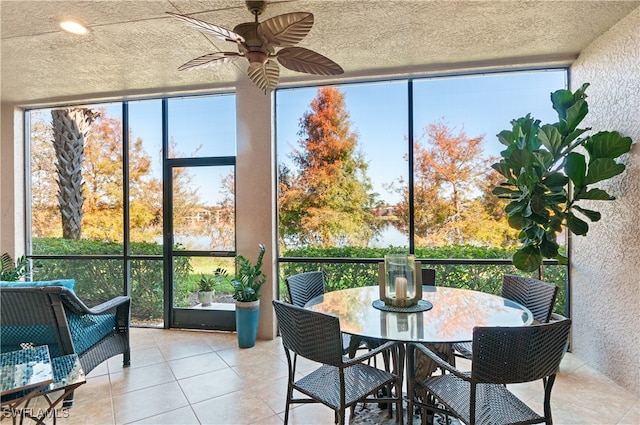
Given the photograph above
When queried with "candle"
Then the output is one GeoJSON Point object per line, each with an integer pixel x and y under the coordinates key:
{"type": "Point", "coordinates": [401, 288]}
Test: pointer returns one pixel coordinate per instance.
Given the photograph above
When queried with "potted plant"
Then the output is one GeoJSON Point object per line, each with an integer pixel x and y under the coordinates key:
{"type": "Point", "coordinates": [206, 290]}
{"type": "Point", "coordinates": [246, 283]}
{"type": "Point", "coordinates": [538, 165]}
{"type": "Point", "coordinates": [13, 271]}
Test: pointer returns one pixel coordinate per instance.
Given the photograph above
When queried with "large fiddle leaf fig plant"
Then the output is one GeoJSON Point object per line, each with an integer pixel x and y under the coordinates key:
{"type": "Point", "coordinates": [539, 163]}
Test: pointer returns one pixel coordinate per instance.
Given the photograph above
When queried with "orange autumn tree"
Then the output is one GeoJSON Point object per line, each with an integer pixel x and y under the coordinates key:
{"type": "Point", "coordinates": [328, 200]}
{"type": "Point", "coordinates": [452, 202]}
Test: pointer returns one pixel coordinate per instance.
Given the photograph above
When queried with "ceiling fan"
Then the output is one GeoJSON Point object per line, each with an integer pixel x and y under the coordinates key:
{"type": "Point", "coordinates": [257, 42]}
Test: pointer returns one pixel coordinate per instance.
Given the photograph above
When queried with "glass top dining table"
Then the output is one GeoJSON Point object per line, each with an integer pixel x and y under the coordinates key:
{"type": "Point", "coordinates": [454, 314]}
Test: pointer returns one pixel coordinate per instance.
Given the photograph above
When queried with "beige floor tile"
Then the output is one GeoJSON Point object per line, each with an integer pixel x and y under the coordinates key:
{"type": "Point", "coordinates": [271, 420]}
{"type": "Point", "coordinates": [101, 369]}
{"type": "Point", "coordinates": [196, 365]}
{"type": "Point", "coordinates": [182, 416]}
{"type": "Point", "coordinates": [235, 408]}
{"type": "Point", "coordinates": [210, 385]}
{"type": "Point", "coordinates": [274, 393]}
{"type": "Point", "coordinates": [632, 417]}
{"type": "Point", "coordinates": [137, 405]}
{"type": "Point", "coordinates": [179, 350]}
{"type": "Point", "coordinates": [191, 377]}
{"type": "Point", "coordinates": [133, 379]}
{"type": "Point", "coordinates": [253, 375]}
{"type": "Point", "coordinates": [139, 358]}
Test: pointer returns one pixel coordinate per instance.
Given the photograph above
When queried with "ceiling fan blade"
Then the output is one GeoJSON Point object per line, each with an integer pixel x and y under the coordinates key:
{"type": "Point", "coordinates": [286, 30]}
{"type": "Point", "coordinates": [209, 60]}
{"type": "Point", "coordinates": [216, 31]}
{"type": "Point", "coordinates": [305, 60]}
{"type": "Point", "coordinates": [264, 76]}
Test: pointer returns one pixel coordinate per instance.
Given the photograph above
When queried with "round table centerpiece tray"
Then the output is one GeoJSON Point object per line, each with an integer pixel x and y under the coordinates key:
{"type": "Point", "coordinates": [423, 305]}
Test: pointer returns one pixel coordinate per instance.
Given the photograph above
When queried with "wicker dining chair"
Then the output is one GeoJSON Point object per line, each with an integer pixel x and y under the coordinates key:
{"type": "Point", "coordinates": [536, 295]}
{"type": "Point", "coordinates": [501, 356]}
{"type": "Point", "coordinates": [303, 287]}
{"type": "Point", "coordinates": [339, 382]}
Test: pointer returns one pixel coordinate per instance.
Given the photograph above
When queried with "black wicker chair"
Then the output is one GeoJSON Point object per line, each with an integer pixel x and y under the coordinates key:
{"type": "Point", "coordinates": [501, 355]}
{"type": "Point", "coordinates": [536, 295]}
{"type": "Point", "coordinates": [428, 277]}
{"type": "Point", "coordinates": [339, 382]}
{"type": "Point", "coordinates": [302, 287]}
{"type": "Point", "coordinates": [55, 316]}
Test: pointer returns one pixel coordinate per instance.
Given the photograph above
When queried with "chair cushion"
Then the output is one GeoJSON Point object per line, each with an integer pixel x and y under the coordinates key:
{"type": "Point", "coordinates": [89, 329]}
{"type": "Point", "coordinates": [13, 336]}
{"type": "Point", "coordinates": [67, 283]}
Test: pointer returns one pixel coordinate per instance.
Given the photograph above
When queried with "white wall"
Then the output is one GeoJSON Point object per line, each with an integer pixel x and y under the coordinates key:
{"type": "Point", "coordinates": [605, 297]}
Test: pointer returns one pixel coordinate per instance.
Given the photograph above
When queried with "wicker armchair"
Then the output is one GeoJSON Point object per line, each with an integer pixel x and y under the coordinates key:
{"type": "Point", "coordinates": [501, 355]}
{"type": "Point", "coordinates": [339, 382]}
{"type": "Point", "coordinates": [536, 295]}
{"type": "Point", "coordinates": [55, 316]}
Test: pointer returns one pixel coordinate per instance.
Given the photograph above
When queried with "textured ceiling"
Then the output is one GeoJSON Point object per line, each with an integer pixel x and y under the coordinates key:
{"type": "Point", "coordinates": [134, 48]}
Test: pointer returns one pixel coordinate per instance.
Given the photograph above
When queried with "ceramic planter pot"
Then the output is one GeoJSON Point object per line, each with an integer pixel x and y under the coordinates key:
{"type": "Point", "coordinates": [206, 297]}
{"type": "Point", "coordinates": [247, 322]}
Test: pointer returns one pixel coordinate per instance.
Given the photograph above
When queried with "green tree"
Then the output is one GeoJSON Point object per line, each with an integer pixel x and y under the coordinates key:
{"type": "Point", "coordinates": [329, 199]}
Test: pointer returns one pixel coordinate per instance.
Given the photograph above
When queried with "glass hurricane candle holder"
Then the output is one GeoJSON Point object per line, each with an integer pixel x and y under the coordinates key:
{"type": "Point", "coordinates": [397, 279]}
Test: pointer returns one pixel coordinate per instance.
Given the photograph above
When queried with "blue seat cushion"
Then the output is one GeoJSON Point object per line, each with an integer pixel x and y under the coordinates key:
{"type": "Point", "coordinates": [67, 283]}
{"type": "Point", "coordinates": [13, 336]}
{"type": "Point", "coordinates": [87, 329]}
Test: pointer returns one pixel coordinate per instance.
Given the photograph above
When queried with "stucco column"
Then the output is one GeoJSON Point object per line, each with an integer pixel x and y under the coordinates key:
{"type": "Point", "coordinates": [11, 181]}
{"type": "Point", "coordinates": [255, 199]}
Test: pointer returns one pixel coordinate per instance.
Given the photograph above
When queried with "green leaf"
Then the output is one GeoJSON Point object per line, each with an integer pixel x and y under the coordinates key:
{"type": "Point", "coordinates": [576, 225]}
{"type": "Point", "coordinates": [548, 249]}
{"type": "Point", "coordinates": [527, 259]}
{"type": "Point", "coordinates": [505, 192]}
{"type": "Point", "coordinates": [561, 101]}
{"type": "Point", "coordinates": [596, 195]}
{"type": "Point", "coordinates": [602, 169]}
{"type": "Point", "coordinates": [590, 214]}
{"type": "Point", "coordinates": [514, 207]}
{"type": "Point", "coordinates": [556, 198]}
{"type": "Point", "coordinates": [576, 167]}
{"type": "Point", "coordinates": [572, 136]}
{"type": "Point", "coordinates": [506, 137]}
{"type": "Point", "coordinates": [516, 221]}
{"type": "Point", "coordinates": [556, 180]}
{"type": "Point", "coordinates": [502, 168]}
{"type": "Point", "coordinates": [550, 138]}
{"type": "Point", "coordinates": [607, 144]}
{"type": "Point", "coordinates": [519, 158]}
{"type": "Point", "coordinates": [538, 204]}
{"type": "Point", "coordinates": [576, 113]}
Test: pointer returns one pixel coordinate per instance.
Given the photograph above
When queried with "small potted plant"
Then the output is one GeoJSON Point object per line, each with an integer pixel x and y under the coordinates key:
{"type": "Point", "coordinates": [246, 283]}
{"type": "Point", "coordinates": [206, 290]}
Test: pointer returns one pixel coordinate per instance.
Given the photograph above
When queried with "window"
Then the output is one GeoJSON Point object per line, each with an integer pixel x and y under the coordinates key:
{"type": "Point", "coordinates": [98, 209]}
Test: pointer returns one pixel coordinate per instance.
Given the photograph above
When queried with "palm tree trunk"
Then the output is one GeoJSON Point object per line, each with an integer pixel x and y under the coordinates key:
{"type": "Point", "coordinates": [70, 127]}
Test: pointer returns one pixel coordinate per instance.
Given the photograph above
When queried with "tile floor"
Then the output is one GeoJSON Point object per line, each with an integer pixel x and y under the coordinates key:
{"type": "Point", "coordinates": [195, 377]}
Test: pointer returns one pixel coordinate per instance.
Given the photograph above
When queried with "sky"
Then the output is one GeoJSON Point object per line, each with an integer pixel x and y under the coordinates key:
{"type": "Point", "coordinates": [480, 105]}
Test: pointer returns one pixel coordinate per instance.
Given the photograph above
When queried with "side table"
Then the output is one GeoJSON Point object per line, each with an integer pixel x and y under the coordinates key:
{"type": "Point", "coordinates": [31, 373]}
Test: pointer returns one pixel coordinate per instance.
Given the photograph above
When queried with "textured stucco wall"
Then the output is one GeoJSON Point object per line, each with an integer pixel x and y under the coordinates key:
{"type": "Point", "coordinates": [11, 181]}
{"type": "Point", "coordinates": [255, 198]}
{"type": "Point", "coordinates": [605, 266]}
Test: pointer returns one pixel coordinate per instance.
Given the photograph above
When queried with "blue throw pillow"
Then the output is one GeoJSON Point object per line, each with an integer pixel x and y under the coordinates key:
{"type": "Point", "coordinates": [67, 283]}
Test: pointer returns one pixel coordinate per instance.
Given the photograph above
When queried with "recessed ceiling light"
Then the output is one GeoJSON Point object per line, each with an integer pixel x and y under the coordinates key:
{"type": "Point", "coordinates": [73, 27]}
